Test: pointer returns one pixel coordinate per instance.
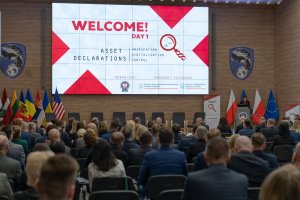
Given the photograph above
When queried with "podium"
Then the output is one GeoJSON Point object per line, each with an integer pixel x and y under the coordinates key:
{"type": "Point", "coordinates": [241, 111]}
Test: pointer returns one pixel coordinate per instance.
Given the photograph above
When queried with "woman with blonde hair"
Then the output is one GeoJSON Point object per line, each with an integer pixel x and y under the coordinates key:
{"type": "Point", "coordinates": [131, 124]}
{"type": "Point", "coordinates": [231, 140]}
{"type": "Point", "coordinates": [283, 183]}
{"type": "Point", "coordinates": [295, 131]}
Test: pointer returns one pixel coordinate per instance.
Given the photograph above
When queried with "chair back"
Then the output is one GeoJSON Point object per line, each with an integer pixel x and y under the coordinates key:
{"type": "Point", "coordinates": [179, 118]}
{"type": "Point", "coordinates": [268, 148]}
{"type": "Point", "coordinates": [99, 115]}
{"type": "Point", "coordinates": [73, 152]}
{"type": "Point", "coordinates": [158, 114]}
{"type": "Point", "coordinates": [77, 191]}
{"type": "Point", "coordinates": [197, 115]}
{"type": "Point", "coordinates": [284, 153]}
{"type": "Point", "coordinates": [171, 194]}
{"type": "Point", "coordinates": [4, 197]}
{"type": "Point", "coordinates": [133, 171]}
{"type": "Point", "coordinates": [113, 195]}
{"type": "Point", "coordinates": [112, 183]}
{"type": "Point", "coordinates": [81, 163]}
{"type": "Point", "coordinates": [141, 115]}
{"type": "Point", "coordinates": [120, 116]}
{"type": "Point", "coordinates": [76, 115]}
{"type": "Point", "coordinates": [253, 193]}
{"type": "Point", "coordinates": [190, 167]}
{"type": "Point", "coordinates": [156, 184]}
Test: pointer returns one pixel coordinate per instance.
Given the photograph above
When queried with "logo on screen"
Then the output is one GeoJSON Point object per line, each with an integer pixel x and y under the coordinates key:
{"type": "Point", "coordinates": [241, 62]}
{"type": "Point", "coordinates": [125, 86]}
{"type": "Point", "coordinates": [12, 59]}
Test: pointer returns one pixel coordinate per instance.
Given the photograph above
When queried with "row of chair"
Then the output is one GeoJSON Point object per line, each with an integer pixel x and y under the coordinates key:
{"type": "Point", "coordinates": [177, 117]}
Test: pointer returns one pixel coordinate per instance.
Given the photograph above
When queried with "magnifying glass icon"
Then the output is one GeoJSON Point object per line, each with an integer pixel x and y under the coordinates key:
{"type": "Point", "coordinates": [211, 107]}
{"type": "Point", "coordinates": [168, 43]}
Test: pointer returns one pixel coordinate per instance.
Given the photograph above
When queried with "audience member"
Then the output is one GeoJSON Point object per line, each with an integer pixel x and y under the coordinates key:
{"type": "Point", "coordinates": [199, 145]}
{"type": "Point", "coordinates": [5, 188]}
{"type": "Point", "coordinates": [241, 125]}
{"type": "Point", "coordinates": [231, 141]}
{"type": "Point", "coordinates": [245, 162]}
{"type": "Point", "coordinates": [216, 182]}
{"type": "Point", "coordinates": [32, 130]}
{"type": "Point", "coordinates": [102, 128]}
{"type": "Point", "coordinates": [154, 130]}
{"type": "Point", "coordinates": [150, 125]}
{"type": "Point", "coordinates": [57, 178]}
{"type": "Point", "coordinates": [92, 126]}
{"type": "Point", "coordinates": [296, 156]}
{"type": "Point", "coordinates": [69, 124]}
{"type": "Point", "coordinates": [54, 135]}
{"type": "Point", "coordinates": [165, 160]}
{"type": "Point", "coordinates": [9, 166]}
{"type": "Point", "coordinates": [128, 142]}
{"type": "Point", "coordinates": [187, 141]}
{"type": "Point", "coordinates": [41, 147]}
{"type": "Point", "coordinates": [270, 131]}
{"type": "Point", "coordinates": [24, 133]}
{"type": "Point", "coordinates": [73, 131]}
{"type": "Point", "coordinates": [35, 160]}
{"type": "Point", "coordinates": [48, 127]}
{"type": "Point", "coordinates": [16, 130]}
{"type": "Point", "coordinates": [159, 122]}
{"type": "Point", "coordinates": [295, 132]}
{"type": "Point", "coordinates": [176, 129]}
{"type": "Point", "coordinates": [137, 123]}
{"type": "Point", "coordinates": [95, 120]}
{"type": "Point", "coordinates": [104, 162]}
{"type": "Point", "coordinates": [200, 162]}
{"type": "Point", "coordinates": [114, 126]}
{"type": "Point", "coordinates": [63, 135]}
{"type": "Point", "coordinates": [116, 141]}
{"type": "Point", "coordinates": [90, 139]}
{"type": "Point", "coordinates": [131, 124]}
{"type": "Point", "coordinates": [246, 131]}
{"type": "Point", "coordinates": [223, 125]}
{"type": "Point", "coordinates": [283, 183]}
{"type": "Point", "coordinates": [79, 141]}
{"type": "Point", "coordinates": [57, 147]}
{"type": "Point", "coordinates": [283, 136]}
{"type": "Point", "coordinates": [136, 155]}
{"type": "Point", "coordinates": [200, 121]}
{"type": "Point", "coordinates": [261, 125]}
{"type": "Point", "coordinates": [259, 144]}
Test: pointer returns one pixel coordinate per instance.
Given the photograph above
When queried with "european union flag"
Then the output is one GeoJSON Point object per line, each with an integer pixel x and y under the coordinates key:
{"type": "Point", "coordinates": [243, 95]}
{"type": "Point", "coordinates": [272, 109]}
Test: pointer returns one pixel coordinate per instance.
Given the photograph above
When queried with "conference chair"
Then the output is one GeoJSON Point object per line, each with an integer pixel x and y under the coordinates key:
{"type": "Point", "coordinates": [99, 115]}
{"type": "Point", "coordinates": [268, 148]}
{"type": "Point", "coordinates": [112, 183]}
{"type": "Point", "coordinates": [283, 153]}
{"type": "Point", "coordinates": [76, 115]}
{"type": "Point", "coordinates": [50, 116]}
{"type": "Point", "coordinates": [253, 193]}
{"type": "Point", "coordinates": [171, 194]}
{"type": "Point", "coordinates": [4, 197]}
{"type": "Point", "coordinates": [141, 115]}
{"type": "Point", "coordinates": [113, 195]}
{"type": "Point", "coordinates": [81, 163]}
{"type": "Point", "coordinates": [158, 114]}
{"type": "Point", "coordinates": [73, 152]}
{"type": "Point", "coordinates": [179, 118]}
{"type": "Point", "coordinates": [190, 167]}
{"type": "Point", "coordinates": [197, 115]}
{"type": "Point", "coordinates": [133, 171]}
{"type": "Point", "coordinates": [156, 184]}
{"type": "Point", "coordinates": [120, 116]}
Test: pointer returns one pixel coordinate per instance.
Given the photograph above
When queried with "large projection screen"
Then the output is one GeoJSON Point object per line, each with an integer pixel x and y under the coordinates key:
{"type": "Point", "coordinates": [129, 49]}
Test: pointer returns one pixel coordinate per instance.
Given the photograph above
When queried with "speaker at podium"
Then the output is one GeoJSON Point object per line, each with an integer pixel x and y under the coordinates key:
{"type": "Point", "coordinates": [242, 111]}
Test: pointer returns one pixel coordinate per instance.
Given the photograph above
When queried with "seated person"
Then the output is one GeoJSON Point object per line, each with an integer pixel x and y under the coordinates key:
{"type": "Point", "coordinates": [284, 136]}
{"type": "Point", "coordinates": [199, 145]}
{"type": "Point", "coordinates": [90, 139]}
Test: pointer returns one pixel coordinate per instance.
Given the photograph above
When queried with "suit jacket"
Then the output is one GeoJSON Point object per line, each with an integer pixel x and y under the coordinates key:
{"type": "Point", "coordinates": [120, 154]}
{"type": "Point", "coordinates": [246, 132]}
{"type": "Point", "coordinates": [17, 155]}
{"type": "Point", "coordinates": [259, 127]}
{"type": "Point", "coordinates": [250, 165]}
{"type": "Point", "coordinates": [128, 144]}
{"type": "Point", "coordinates": [29, 194]}
{"type": "Point", "coordinates": [200, 162]}
{"type": "Point", "coordinates": [195, 148]}
{"type": "Point", "coordinates": [11, 168]}
{"type": "Point", "coordinates": [281, 140]}
{"type": "Point", "coordinates": [272, 159]}
{"type": "Point", "coordinates": [12, 147]}
{"type": "Point", "coordinates": [215, 183]}
{"type": "Point", "coordinates": [165, 160]}
{"type": "Point", "coordinates": [270, 132]}
{"type": "Point", "coordinates": [23, 143]}
{"type": "Point", "coordinates": [136, 155]}
{"type": "Point", "coordinates": [25, 136]}
{"type": "Point", "coordinates": [239, 127]}
{"type": "Point", "coordinates": [295, 135]}
{"type": "Point", "coordinates": [5, 188]}
{"type": "Point", "coordinates": [186, 142]}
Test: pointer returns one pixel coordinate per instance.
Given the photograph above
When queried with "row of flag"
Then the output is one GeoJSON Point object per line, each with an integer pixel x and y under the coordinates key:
{"type": "Point", "coordinates": [259, 109]}
{"type": "Point", "coordinates": [24, 107]}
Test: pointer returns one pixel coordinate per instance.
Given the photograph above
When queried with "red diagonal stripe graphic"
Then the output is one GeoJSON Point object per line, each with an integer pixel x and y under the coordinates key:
{"type": "Point", "coordinates": [59, 48]}
{"type": "Point", "coordinates": [201, 50]}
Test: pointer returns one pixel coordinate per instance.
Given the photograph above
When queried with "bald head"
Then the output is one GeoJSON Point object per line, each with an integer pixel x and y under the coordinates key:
{"type": "Point", "coordinates": [92, 126]}
{"type": "Point", "coordinates": [54, 134]}
{"type": "Point", "coordinates": [296, 156]}
{"type": "Point", "coordinates": [243, 143]}
{"type": "Point", "coordinates": [3, 144]}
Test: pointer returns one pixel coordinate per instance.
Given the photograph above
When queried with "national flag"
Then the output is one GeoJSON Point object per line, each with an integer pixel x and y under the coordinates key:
{"type": "Point", "coordinates": [23, 107]}
{"type": "Point", "coordinates": [258, 108]}
{"type": "Point", "coordinates": [272, 109]}
{"type": "Point", "coordinates": [231, 108]}
{"type": "Point", "coordinates": [39, 115]}
{"type": "Point", "coordinates": [243, 95]}
{"type": "Point", "coordinates": [8, 113]}
{"type": "Point", "coordinates": [30, 106]}
{"type": "Point", "coordinates": [58, 107]}
{"type": "Point", "coordinates": [46, 105]}
{"type": "Point", "coordinates": [15, 106]}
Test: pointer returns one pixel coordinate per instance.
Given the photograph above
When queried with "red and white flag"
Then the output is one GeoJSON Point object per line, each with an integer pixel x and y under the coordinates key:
{"type": "Point", "coordinates": [258, 109]}
{"type": "Point", "coordinates": [231, 108]}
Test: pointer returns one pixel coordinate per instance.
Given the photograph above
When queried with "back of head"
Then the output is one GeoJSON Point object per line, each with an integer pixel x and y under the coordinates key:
{"type": "Point", "coordinates": [90, 138]}
{"type": "Point", "coordinates": [155, 129]}
{"type": "Point", "coordinates": [201, 133]}
{"type": "Point", "coordinates": [217, 150]}
{"type": "Point", "coordinates": [80, 125]}
{"type": "Point", "coordinates": [54, 134]}
{"type": "Point", "coordinates": [3, 144]}
{"type": "Point", "coordinates": [102, 128]}
{"type": "Point", "coordinates": [283, 183]}
{"type": "Point", "coordinates": [146, 139]}
{"type": "Point", "coordinates": [213, 132]}
{"type": "Point", "coordinates": [50, 127]}
{"type": "Point", "coordinates": [59, 123]}
{"type": "Point", "coordinates": [41, 147]}
{"type": "Point", "coordinates": [141, 129]}
{"type": "Point", "coordinates": [17, 122]}
{"type": "Point", "coordinates": [176, 128]}
{"type": "Point", "coordinates": [243, 143]}
{"type": "Point", "coordinates": [57, 178]}
{"type": "Point", "coordinates": [16, 130]}
{"type": "Point", "coordinates": [115, 125]}
{"type": "Point", "coordinates": [296, 126]}
{"type": "Point", "coordinates": [271, 121]}
{"type": "Point", "coordinates": [34, 163]}
{"type": "Point", "coordinates": [102, 156]}
{"type": "Point", "coordinates": [127, 132]}
{"type": "Point", "coordinates": [258, 140]}
{"type": "Point", "coordinates": [137, 120]}
{"type": "Point", "coordinates": [92, 126]}
{"type": "Point", "coordinates": [166, 137]}
{"type": "Point", "coordinates": [57, 147]}
{"type": "Point", "coordinates": [81, 132]}
{"type": "Point", "coordinates": [283, 129]}
{"type": "Point", "coordinates": [247, 123]}
{"type": "Point", "coordinates": [32, 126]}
{"type": "Point", "coordinates": [296, 156]}
{"type": "Point", "coordinates": [117, 138]}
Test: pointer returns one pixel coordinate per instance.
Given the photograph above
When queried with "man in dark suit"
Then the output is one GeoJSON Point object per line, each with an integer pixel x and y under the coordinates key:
{"type": "Point", "coordinates": [5, 188]}
{"type": "Point", "coordinates": [9, 166]}
{"type": "Point", "coordinates": [241, 125]}
{"type": "Point", "coordinates": [217, 181]}
{"type": "Point", "coordinates": [271, 131]}
{"type": "Point", "coordinates": [247, 131]}
{"type": "Point", "coordinates": [116, 141]}
{"type": "Point", "coordinates": [128, 142]}
{"type": "Point", "coordinates": [114, 126]}
{"type": "Point", "coordinates": [136, 155]}
{"type": "Point", "coordinates": [261, 125]}
{"type": "Point", "coordinates": [165, 160]}
{"type": "Point", "coordinates": [259, 144]}
{"type": "Point", "coordinates": [245, 162]}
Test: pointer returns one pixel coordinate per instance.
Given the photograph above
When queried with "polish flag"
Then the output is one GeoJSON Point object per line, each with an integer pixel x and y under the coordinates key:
{"type": "Point", "coordinates": [258, 109]}
{"type": "Point", "coordinates": [231, 108]}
